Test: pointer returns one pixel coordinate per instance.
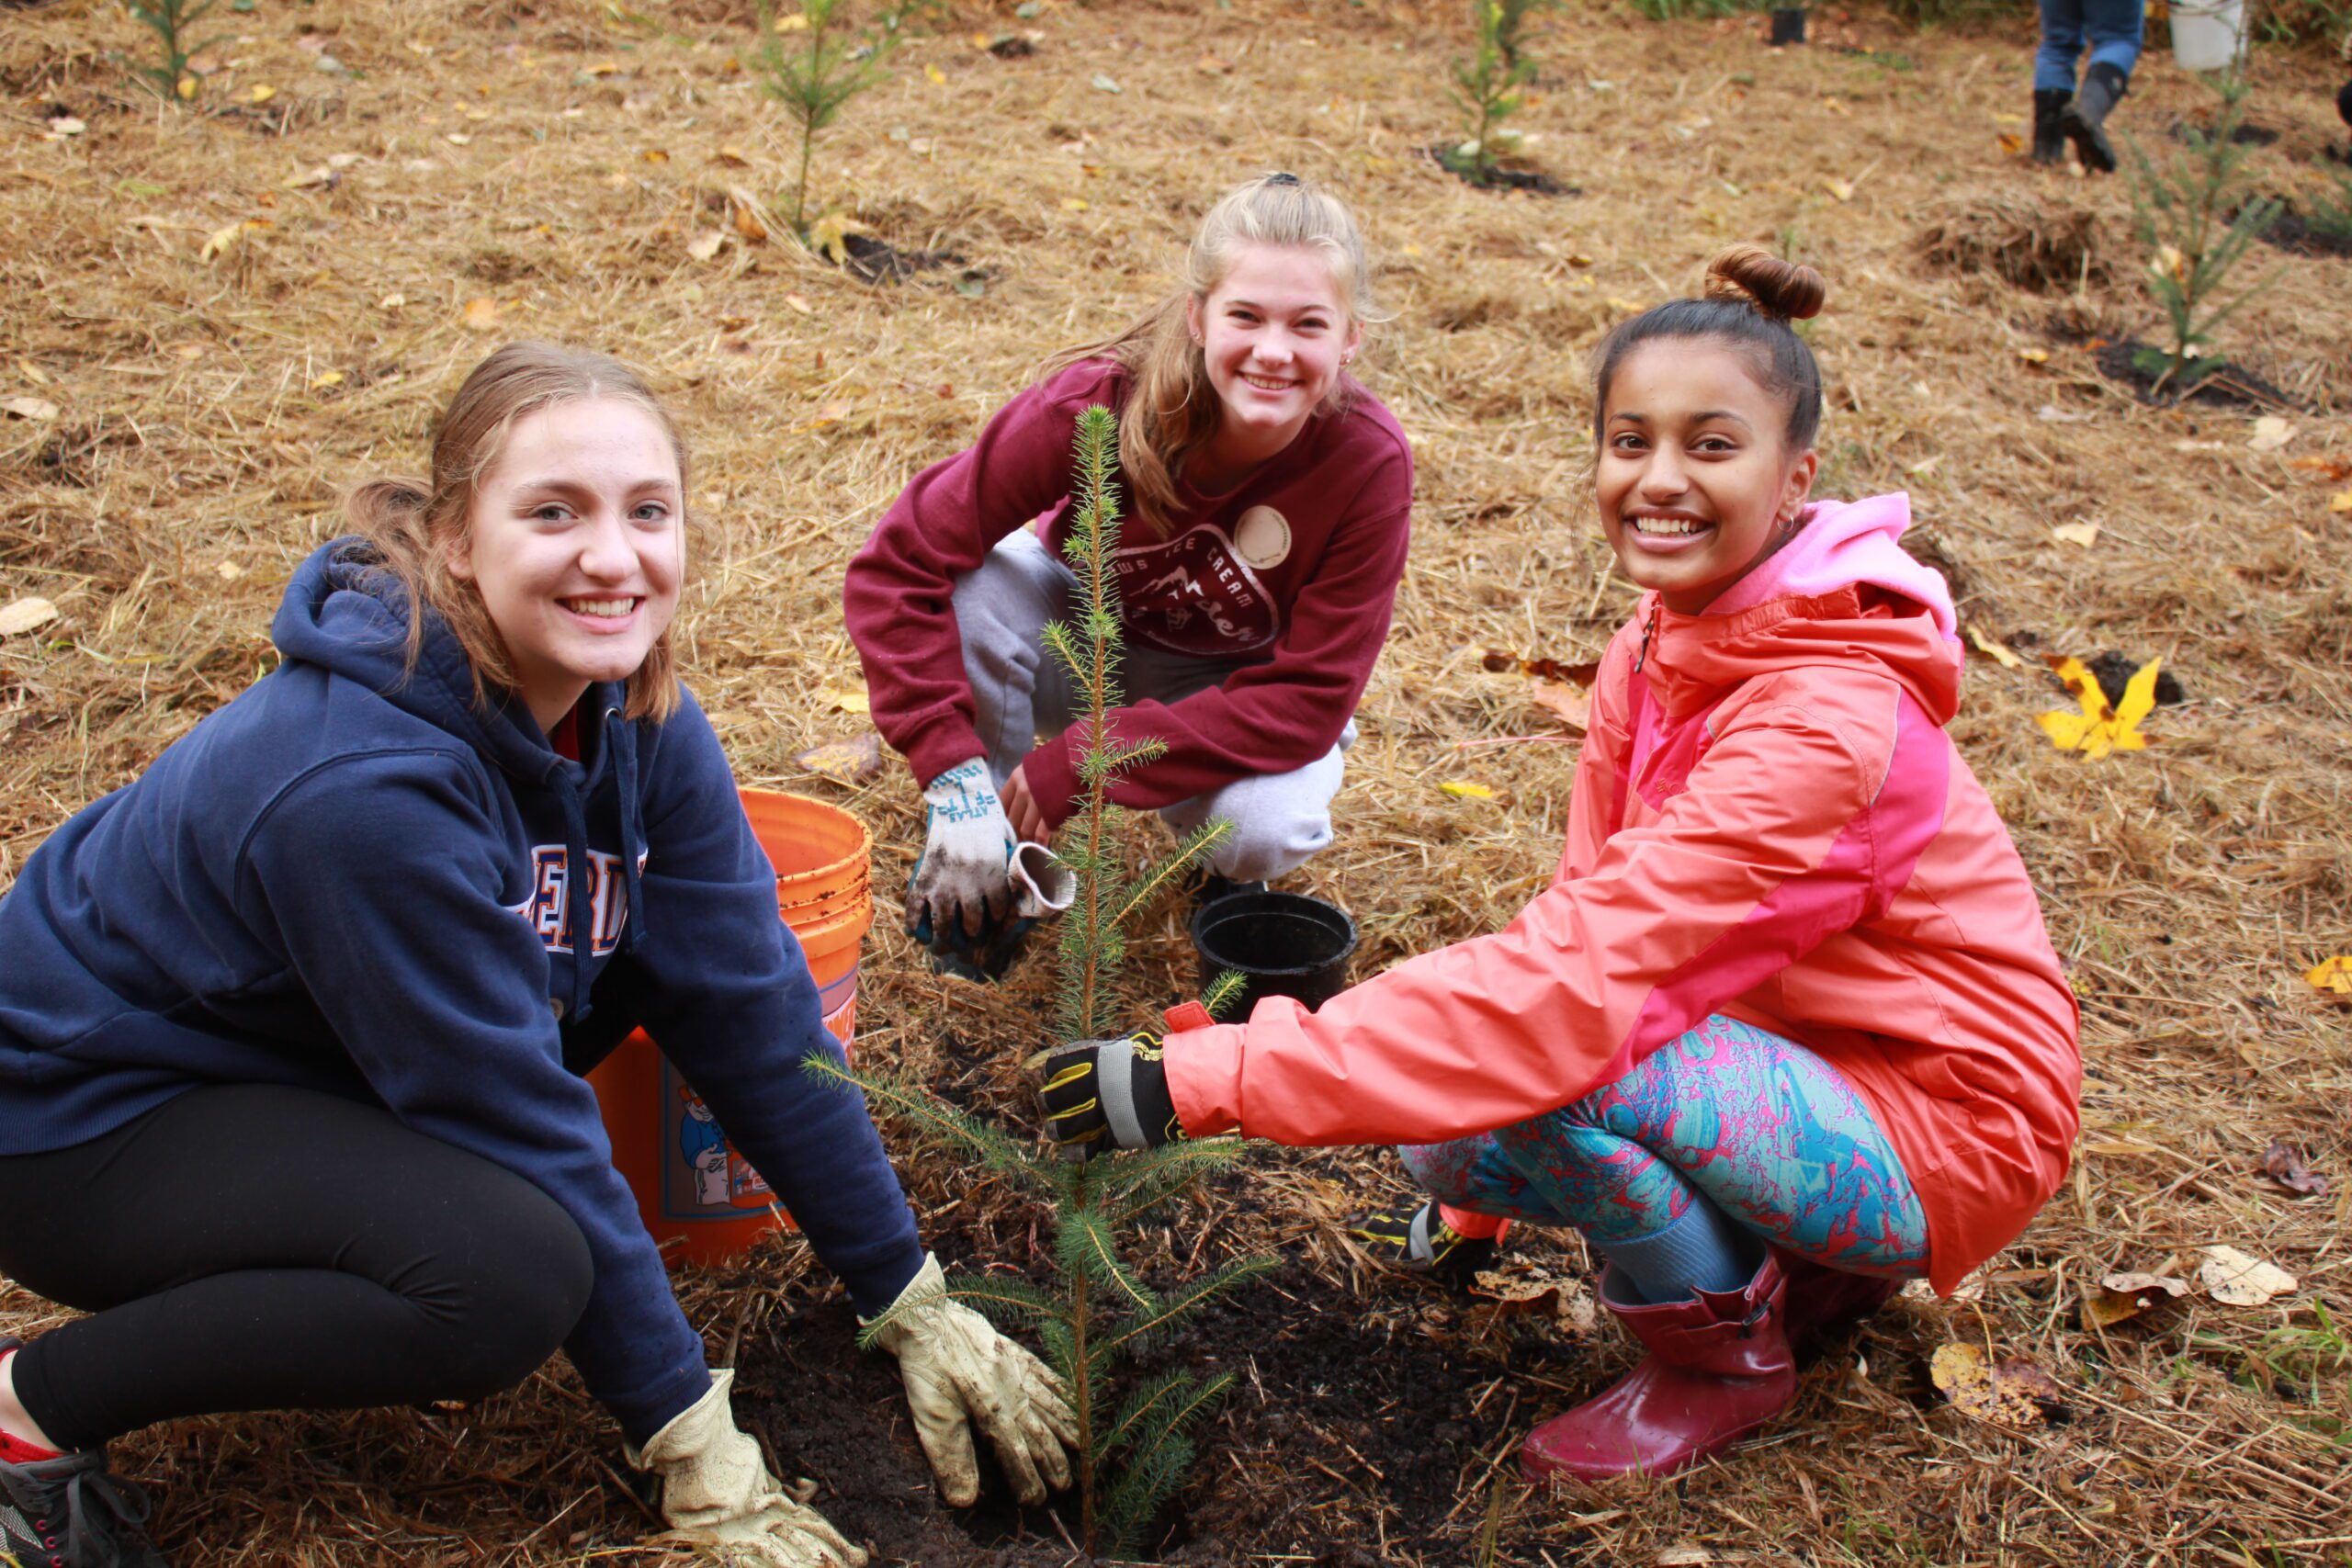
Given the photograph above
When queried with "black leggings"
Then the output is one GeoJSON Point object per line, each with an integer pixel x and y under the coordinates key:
{"type": "Point", "coordinates": [257, 1247]}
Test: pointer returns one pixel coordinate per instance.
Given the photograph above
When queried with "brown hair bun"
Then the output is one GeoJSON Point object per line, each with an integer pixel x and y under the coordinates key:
{"type": "Point", "coordinates": [1785, 292]}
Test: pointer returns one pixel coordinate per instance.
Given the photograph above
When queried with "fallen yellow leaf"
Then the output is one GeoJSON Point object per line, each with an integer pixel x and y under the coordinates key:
{"type": "Point", "coordinates": [2014, 1393]}
{"type": "Point", "coordinates": [2270, 432]}
{"type": "Point", "coordinates": [29, 408]}
{"type": "Point", "coordinates": [2096, 731]}
{"type": "Point", "coordinates": [1462, 789]}
{"type": "Point", "coordinates": [938, 77]}
{"type": "Point", "coordinates": [260, 92]}
{"type": "Point", "coordinates": [1073, 203]}
{"type": "Point", "coordinates": [479, 316]}
{"type": "Point", "coordinates": [734, 157]}
{"type": "Point", "coordinates": [2121, 1297]}
{"type": "Point", "coordinates": [2341, 502]}
{"type": "Point", "coordinates": [800, 304]}
{"type": "Point", "coordinates": [794, 23]}
{"type": "Point", "coordinates": [1999, 652]}
{"type": "Point", "coordinates": [830, 235]}
{"type": "Point", "coordinates": [2083, 534]}
{"type": "Point", "coordinates": [845, 699]}
{"type": "Point", "coordinates": [705, 245]}
{"type": "Point", "coordinates": [2334, 976]}
{"type": "Point", "coordinates": [329, 379]}
{"type": "Point", "coordinates": [186, 88]}
{"type": "Point", "coordinates": [2034, 356]}
{"type": "Point", "coordinates": [1842, 189]}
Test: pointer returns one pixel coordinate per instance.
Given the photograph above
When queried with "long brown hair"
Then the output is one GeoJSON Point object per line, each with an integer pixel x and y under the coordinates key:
{"type": "Point", "coordinates": [1171, 407]}
{"type": "Point", "coordinates": [415, 524]}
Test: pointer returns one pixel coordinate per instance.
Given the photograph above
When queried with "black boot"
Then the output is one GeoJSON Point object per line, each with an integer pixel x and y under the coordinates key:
{"type": "Point", "coordinates": [2085, 118]}
{"type": "Point", "coordinates": [2049, 141]}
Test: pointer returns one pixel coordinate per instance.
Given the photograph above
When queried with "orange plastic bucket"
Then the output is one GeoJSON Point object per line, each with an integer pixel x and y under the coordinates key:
{"type": "Point", "coordinates": [701, 1201]}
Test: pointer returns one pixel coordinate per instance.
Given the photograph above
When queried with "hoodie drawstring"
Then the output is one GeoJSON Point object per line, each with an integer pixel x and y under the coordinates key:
{"type": "Point", "coordinates": [622, 737]}
{"type": "Point", "coordinates": [581, 921]}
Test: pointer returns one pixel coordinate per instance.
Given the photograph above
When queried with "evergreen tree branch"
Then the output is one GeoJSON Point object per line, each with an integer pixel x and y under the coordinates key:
{"type": "Point", "coordinates": [1139, 1332]}
{"type": "Point", "coordinates": [994, 1149]}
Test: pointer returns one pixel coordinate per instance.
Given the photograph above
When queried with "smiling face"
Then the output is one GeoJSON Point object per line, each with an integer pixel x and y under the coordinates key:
{"type": "Point", "coordinates": [575, 542]}
{"type": "Point", "coordinates": [1695, 481]}
{"type": "Point", "coordinates": [1274, 332]}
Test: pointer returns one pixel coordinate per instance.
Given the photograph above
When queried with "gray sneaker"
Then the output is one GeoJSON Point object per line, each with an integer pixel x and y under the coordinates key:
{"type": "Point", "coordinates": [69, 1513]}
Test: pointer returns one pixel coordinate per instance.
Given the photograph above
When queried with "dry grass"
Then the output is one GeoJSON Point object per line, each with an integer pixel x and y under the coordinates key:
{"type": "Point", "coordinates": [200, 444]}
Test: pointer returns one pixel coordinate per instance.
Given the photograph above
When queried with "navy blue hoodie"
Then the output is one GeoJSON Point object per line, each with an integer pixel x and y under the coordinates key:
{"type": "Point", "coordinates": [380, 887]}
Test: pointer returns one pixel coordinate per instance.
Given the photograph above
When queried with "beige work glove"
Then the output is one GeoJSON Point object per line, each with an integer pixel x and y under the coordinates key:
{"type": "Point", "coordinates": [716, 1493]}
{"type": "Point", "coordinates": [959, 1369]}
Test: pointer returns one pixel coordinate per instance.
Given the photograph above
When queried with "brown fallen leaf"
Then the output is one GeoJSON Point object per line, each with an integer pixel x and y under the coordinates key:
{"type": "Point", "coordinates": [29, 408]}
{"type": "Point", "coordinates": [851, 761]}
{"type": "Point", "coordinates": [2014, 1393]}
{"type": "Point", "coordinates": [2121, 1297]}
{"type": "Point", "coordinates": [1495, 661]}
{"type": "Point", "coordinates": [2282, 1162]}
{"type": "Point", "coordinates": [2235, 1279]}
{"type": "Point", "coordinates": [1523, 1289]}
{"type": "Point", "coordinates": [1573, 705]}
{"type": "Point", "coordinates": [2334, 470]}
{"type": "Point", "coordinates": [749, 214]}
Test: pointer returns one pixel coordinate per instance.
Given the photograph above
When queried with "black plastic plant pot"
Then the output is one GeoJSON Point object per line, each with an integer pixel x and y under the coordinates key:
{"type": "Point", "coordinates": [1283, 944]}
{"type": "Point", "coordinates": [1788, 24]}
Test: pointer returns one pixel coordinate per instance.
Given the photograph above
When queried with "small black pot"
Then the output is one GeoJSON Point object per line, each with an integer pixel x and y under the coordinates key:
{"type": "Point", "coordinates": [1788, 24]}
{"type": "Point", "coordinates": [1283, 944]}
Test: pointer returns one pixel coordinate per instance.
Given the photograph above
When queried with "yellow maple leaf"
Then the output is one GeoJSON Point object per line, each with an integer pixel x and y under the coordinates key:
{"type": "Point", "coordinates": [830, 236]}
{"type": "Point", "coordinates": [2098, 729]}
{"type": "Point", "coordinates": [2334, 977]}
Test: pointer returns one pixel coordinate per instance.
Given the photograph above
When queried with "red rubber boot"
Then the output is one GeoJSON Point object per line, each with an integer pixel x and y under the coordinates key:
{"type": "Point", "coordinates": [1719, 1367]}
{"type": "Point", "coordinates": [1821, 1300]}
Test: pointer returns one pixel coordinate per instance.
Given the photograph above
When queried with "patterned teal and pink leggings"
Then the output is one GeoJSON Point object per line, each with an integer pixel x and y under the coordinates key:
{"type": "Point", "coordinates": [1760, 1127]}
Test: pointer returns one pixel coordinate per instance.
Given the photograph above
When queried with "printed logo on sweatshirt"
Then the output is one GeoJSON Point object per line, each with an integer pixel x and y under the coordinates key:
{"type": "Point", "coordinates": [1264, 538]}
{"type": "Point", "coordinates": [1194, 595]}
{"type": "Point", "coordinates": [552, 908]}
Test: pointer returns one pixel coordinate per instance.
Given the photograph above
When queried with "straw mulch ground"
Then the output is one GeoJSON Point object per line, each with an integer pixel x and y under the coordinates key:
{"type": "Point", "coordinates": [559, 159]}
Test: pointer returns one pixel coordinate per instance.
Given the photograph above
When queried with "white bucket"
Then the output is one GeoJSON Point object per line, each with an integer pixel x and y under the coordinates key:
{"type": "Point", "coordinates": [2208, 35]}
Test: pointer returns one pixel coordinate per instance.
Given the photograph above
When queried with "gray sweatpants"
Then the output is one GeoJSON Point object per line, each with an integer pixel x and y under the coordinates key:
{"type": "Point", "coordinates": [1021, 694]}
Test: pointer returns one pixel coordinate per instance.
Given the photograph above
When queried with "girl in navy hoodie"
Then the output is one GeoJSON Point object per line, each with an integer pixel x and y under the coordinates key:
{"type": "Point", "coordinates": [292, 1028]}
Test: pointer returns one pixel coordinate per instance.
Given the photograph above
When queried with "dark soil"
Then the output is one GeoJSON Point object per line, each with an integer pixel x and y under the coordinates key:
{"type": "Point", "coordinates": [2247, 134]}
{"type": "Point", "coordinates": [2113, 671]}
{"type": "Point", "coordinates": [1501, 176]}
{"type": "Point", "coordinates": [1358, 1421]}
{"type": "Point", "coordinates": [2294, 233]}
{"type": "Point", "coordinates": [2232, 386]}
{"type": "Point", "coordinates": [879, 261]}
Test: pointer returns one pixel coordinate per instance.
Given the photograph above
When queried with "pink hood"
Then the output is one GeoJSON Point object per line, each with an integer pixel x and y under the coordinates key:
{"type": "Point", "coordinates": [1841, 542]}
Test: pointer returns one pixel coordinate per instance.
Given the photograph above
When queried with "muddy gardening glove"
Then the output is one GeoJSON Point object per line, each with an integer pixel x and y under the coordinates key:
{"type": "Point", "coordinates": [961, 1373]}
{"type": "Point", "coordinates": [1108, 1094]}
{"type": "Point", "coordinates": [719, 1497]}
{"type": "Point", "coordinates": [960, 888]}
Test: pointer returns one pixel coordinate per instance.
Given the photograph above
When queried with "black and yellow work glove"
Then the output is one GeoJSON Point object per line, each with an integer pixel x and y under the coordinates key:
{"type": "Point", "coordinates": [1418, 1239]}
{"type": "Point", "coordinates": [1108, 1094]}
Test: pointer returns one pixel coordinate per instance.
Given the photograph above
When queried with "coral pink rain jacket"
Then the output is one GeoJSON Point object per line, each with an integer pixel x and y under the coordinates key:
{"type": "Point", "coordinates": [1769, 823]}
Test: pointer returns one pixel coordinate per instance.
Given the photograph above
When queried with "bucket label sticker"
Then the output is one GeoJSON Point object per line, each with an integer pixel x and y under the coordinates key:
{"type": "Point", "coordinates": [704, 1177]}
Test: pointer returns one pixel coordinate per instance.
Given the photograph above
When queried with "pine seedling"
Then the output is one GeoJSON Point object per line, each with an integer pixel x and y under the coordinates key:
{"type": "Point", "coordinates": [1486, 84]}
{"type": "Point", "coordinates": [2183, 213]}
{"type": "Point", "coordinates": [1135, 1446]}
{"type": "Point", "coordinates": [827, 63]}
{"type": "Point", "coordinates": [170, 21]}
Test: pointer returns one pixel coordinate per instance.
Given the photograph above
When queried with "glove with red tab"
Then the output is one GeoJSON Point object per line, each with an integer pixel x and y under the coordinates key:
{"type": "Point", "coordinates": [1113, 1094]}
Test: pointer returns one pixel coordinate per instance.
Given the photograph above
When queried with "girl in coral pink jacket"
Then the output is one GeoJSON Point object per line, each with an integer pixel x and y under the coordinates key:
{"type": "Point", "coordinates": [1786, 1030]}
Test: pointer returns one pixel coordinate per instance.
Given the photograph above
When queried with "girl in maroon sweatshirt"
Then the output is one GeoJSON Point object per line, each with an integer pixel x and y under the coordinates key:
{"type": "Point", "coordinates": [1268, 495]}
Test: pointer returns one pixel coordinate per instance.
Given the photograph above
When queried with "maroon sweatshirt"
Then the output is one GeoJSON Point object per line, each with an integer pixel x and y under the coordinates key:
{"type": "Point", "coordinates": [1294, 570]}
